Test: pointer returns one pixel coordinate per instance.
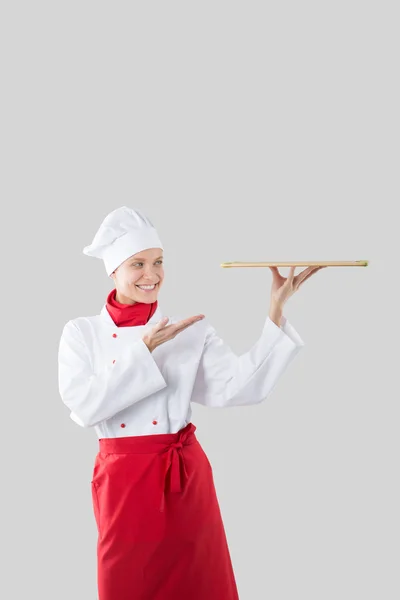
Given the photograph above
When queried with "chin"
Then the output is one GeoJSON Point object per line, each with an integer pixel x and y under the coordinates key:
{"type": "Point", "coordinates": [146, 299]}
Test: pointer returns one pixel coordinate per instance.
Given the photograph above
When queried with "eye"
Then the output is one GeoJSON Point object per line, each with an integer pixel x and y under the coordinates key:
{"type": "Point", "coordinates": [140, 263]}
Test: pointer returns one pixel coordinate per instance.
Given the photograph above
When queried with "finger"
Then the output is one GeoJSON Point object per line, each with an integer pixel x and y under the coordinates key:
{"type": "Point", "coordinates": [290, 277]}
{"type": "Point", "coordinates": [314, 270]}
{"type": "Point", "coordinates": [191, 320]}
{"type": "Point", "coordinates": [160, 324]}
{"type": "Point", "coordinates": [176, 330]}
{"type": "Point", "coordinates": [168, 332]}
{"type": "Point", "coordinates": [275, 273]}
{"type": "Point", "coordinates": [187, 322]}
{"type": "Point", "coordinates": [304, 274]}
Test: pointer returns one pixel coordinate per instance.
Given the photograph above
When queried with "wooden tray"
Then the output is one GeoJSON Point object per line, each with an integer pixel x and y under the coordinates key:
{"type": "Point", "coordinates": [321, 263]}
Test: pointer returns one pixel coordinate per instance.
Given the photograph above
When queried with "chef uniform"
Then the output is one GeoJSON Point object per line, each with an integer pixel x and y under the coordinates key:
{"type": "Point", "coordinates": [160, 531]}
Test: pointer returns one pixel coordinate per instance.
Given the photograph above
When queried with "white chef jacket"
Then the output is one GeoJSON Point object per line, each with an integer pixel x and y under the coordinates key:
{"type": "Point", "coordinates": [109, 380]}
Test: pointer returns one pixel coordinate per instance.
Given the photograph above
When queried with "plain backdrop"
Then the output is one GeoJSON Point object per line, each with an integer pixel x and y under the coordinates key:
{"type": "Point", "coordinates": [246, 131]}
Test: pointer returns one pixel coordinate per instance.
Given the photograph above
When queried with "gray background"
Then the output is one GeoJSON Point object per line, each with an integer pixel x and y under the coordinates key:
{"type": "Point", "coordinates": [245, 131]}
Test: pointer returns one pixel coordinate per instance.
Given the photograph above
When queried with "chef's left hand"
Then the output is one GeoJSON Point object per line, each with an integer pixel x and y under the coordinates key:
{"type": "Point", "coordinates": [284, 287]}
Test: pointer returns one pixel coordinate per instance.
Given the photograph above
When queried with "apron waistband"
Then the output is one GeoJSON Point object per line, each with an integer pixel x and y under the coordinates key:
{"type": "Point", "coordinates": [169, 444]}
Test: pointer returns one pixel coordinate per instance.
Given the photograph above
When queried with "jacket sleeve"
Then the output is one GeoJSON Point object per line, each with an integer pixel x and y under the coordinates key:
{"type": "Point", "coordinates": [94, 397]}
{"type": "Point", "coordinates": [224, 379]}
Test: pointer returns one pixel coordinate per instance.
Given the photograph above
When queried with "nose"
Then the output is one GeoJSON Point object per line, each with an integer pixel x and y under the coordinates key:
{"type": "Point", "coordinates": [148, 278]}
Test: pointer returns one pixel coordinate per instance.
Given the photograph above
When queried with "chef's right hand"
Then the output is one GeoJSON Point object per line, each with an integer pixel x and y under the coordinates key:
{"type": "Point", "coordinates": [162, 332]}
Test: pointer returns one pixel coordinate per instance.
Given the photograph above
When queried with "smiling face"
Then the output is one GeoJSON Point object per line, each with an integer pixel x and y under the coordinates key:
{"type": "Point", "coordinates": [142, 269]}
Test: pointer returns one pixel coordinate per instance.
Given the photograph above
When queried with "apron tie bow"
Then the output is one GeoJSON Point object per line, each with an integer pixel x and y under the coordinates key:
{"type": "Point", "coordinates": [175, 465]}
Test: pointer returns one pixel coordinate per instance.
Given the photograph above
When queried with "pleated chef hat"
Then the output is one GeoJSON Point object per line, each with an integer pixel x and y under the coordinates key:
{"type": "Point", "coordinates": [124, 232]}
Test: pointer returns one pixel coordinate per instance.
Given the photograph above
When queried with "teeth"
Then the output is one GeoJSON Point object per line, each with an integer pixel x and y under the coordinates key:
{"type": "Point", "coordinates": [146, 287]}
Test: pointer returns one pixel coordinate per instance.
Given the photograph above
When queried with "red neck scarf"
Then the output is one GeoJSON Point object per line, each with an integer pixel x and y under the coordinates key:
{"type": "Point", "coordinates": [128, 315]}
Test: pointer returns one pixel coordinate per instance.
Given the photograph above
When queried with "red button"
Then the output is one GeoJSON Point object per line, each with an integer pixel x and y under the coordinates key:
{"type": "Point", "coordinates": [114, 335]}
{"type": "Point", "coordinates": [114, 361]}
{"type": "Point", "coordinates": [122, 424]}
{"type": "Point", "coordinates": [154, 422]}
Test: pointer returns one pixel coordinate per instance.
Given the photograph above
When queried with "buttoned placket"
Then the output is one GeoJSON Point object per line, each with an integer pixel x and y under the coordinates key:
{"type": "Point", "coordinates": [155, 422]}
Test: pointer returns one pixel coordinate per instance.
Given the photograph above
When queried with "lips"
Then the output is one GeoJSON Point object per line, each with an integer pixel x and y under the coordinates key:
{"type": "Point", "coordinates": [155, 285]}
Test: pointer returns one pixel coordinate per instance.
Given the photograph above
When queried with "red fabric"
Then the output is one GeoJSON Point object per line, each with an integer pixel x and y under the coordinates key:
{"type": "Point", "coordinates": [160, 530]}
{"type": "Point", "coordinates": [127, 315]}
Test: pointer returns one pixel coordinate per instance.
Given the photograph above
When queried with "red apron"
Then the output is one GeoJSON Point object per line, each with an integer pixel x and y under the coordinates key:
{"type": "Point", "coordinates": [160, 531]}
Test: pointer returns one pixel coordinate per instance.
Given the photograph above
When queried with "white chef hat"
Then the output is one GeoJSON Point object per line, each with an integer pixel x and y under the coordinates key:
{"type": "Point", "coordinates": [124, 232]}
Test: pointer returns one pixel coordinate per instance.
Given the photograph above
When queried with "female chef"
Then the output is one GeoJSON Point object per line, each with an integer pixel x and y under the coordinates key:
{"type": "Point", "coordinates": [131, 374]}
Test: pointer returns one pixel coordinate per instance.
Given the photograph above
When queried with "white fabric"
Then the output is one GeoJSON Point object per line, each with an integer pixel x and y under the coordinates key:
{"type": "Point", "coordinates": [141, 387]}
{"type": "Point", "coordinates": [124, 232]}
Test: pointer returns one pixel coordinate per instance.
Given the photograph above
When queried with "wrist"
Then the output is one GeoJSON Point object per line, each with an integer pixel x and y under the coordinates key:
{"type": "Point", "coordinates": [276, 316]}
{"type": "Point", "coordinates": [149, 346]}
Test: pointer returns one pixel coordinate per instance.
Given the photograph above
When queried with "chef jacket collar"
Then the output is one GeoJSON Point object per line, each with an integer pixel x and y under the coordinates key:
{"type": "Point", "coordinates": [154, 319]}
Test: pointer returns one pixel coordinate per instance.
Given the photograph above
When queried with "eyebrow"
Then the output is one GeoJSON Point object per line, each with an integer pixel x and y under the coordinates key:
{"type": "Point", "coordinates": [141, 258]}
